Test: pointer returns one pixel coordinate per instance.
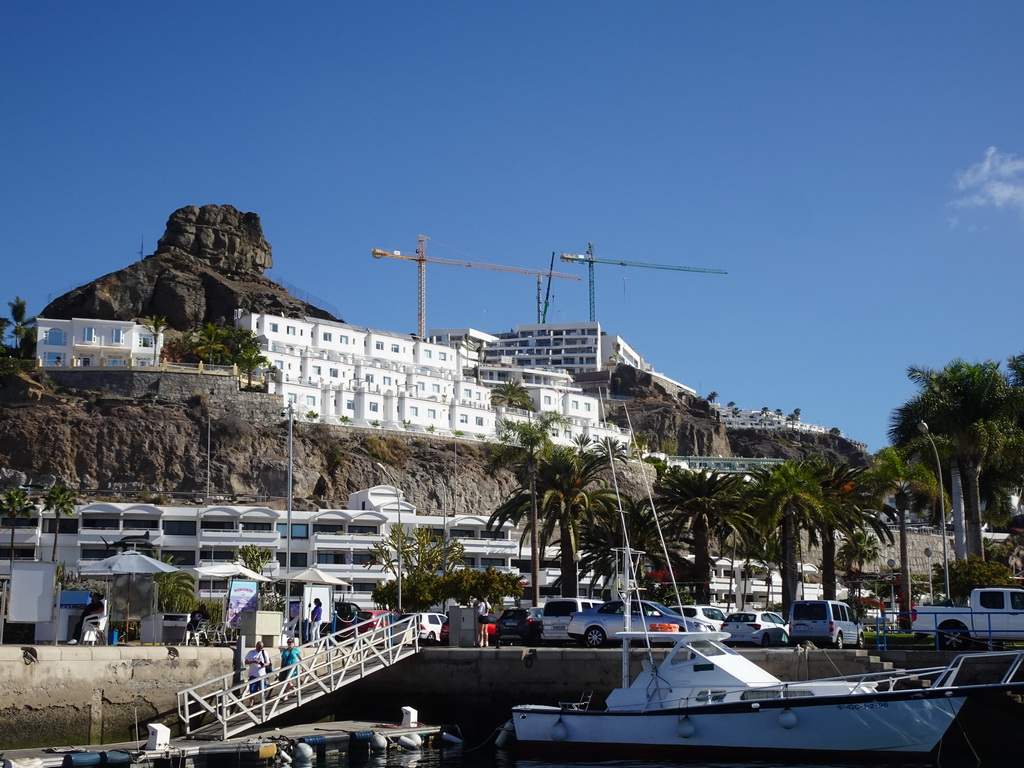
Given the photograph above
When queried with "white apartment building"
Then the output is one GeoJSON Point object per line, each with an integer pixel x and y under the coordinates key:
{"type": "Point", "coordinates": [339, 541]}
{"type": "Point", "coordinates": [346, 374]}
{"type": "Point", "coordinates": [740, 419]}
{"type": "Point", "coordinates": [90, 343]}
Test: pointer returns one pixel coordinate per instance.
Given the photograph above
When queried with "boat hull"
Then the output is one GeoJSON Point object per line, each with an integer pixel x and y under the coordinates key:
{"type": "Point", "coordinates": [906, 726]}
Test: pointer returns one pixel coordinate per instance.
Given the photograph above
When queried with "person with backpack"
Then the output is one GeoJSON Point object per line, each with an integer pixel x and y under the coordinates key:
{"type": "Point", "coordinates": [483, 608]}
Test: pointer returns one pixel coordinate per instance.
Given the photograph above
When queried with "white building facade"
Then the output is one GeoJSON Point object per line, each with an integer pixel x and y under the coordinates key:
{"type": "Point", "coordinates": [95, 343]}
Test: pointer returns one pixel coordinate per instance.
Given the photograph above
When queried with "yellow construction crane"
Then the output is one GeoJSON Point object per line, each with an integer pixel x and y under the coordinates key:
{"type": "Point", "coordinates": [422, 260]}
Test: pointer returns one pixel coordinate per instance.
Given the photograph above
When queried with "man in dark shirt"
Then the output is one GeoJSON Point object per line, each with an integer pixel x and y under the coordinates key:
{"type": "Point", "coordinates": [95, 608]}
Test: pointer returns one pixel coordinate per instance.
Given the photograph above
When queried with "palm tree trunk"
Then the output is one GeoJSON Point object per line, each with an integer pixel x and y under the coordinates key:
{"type": "Point", "coordinates": [702, 559]}
{"type": "Point", "coordinates": [535, 553]}
{"type": "Point", "coordinates": [570, 574]}
{"type": "Point", "coordinates": [973, 512]}
{"type": "Point", "coordinates": [789, 559]}
{"type": "Point", "coordinates": [828, 563]}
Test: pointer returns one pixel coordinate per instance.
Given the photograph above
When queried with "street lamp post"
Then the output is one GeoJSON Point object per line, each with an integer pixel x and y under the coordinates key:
{"type": "Point", "coordinates": [209, 420]}
{"type": "Point", "coordinates": [923, 429]}
{"type": "Point", "coordinates": [931, 590]}
{"type": "Point", "coordinates": [401, 530]}
{"type": "Point", "coordinates": [288, 541]}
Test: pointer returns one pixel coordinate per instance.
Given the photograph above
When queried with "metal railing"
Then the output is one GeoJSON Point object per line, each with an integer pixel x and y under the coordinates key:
{"type": "Point", "coordinates": [226, 706]}
{"type": "Point", "coordinates": [985, 630]}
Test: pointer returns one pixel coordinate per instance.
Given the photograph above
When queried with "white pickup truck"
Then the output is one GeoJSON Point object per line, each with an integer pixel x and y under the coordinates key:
{"type": "Point", "coordinates": [993, 614]}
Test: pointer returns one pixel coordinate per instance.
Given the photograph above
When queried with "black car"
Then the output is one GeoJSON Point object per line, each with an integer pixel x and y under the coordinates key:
{"type": "Point", "coordinates": [519, 625]}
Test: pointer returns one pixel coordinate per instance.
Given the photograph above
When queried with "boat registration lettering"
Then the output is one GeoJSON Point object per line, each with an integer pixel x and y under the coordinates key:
{"type": "Point", "coordinates": [868, 705]}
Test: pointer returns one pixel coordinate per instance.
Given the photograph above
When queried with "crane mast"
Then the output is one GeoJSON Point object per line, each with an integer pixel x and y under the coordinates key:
{"type": "Point", "coordinates": [588, 259]}
{"type": "Point", "coordinates": [422, 260]}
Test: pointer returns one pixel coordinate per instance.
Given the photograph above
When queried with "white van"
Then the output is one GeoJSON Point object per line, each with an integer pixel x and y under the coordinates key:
{"type": "Point", "coordinates": [827, 622]}
{"type": "Point", "coordinates": [555, 619]}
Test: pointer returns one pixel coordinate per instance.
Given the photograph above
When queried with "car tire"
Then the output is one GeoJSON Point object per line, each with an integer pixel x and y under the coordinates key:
{"type": "Point", "coordinates": [766, 640]}
{"type": "Point", "coordinates": [860, 641]}
{"type": "Point", "coordinates": [431, 637]}
{"type": "Point", "coordinates": [595, 637]}
{"type": "Point", "coordinates": [838, 642]}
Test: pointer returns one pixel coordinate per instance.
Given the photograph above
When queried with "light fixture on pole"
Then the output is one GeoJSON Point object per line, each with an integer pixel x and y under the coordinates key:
{"type": "Point", "coordinates": [288, 541]}
{"type": "Point", "coordinates": [923, 429]}
{"type": "Point", "coordinates": [892, 585]}
{"type": "Point", "coordinates": [209, 420]}
{"type": "Point", "coordinates": [401, 530]}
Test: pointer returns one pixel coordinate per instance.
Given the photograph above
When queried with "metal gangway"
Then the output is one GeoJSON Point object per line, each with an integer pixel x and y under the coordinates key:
{"type": "Point", "coordinates": [226, 708]}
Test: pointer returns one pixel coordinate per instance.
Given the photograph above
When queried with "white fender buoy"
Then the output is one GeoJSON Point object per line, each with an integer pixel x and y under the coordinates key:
{"type": "Point", "coordinates": [559, 732]}
{"type": "Point", "coordinates": [450, 738]}
{"type": "Point", "coordinates": [378, 743]}
{"type": "Point", "coordinates": [686, 727]}
{"type": "Point", "coordinates": [505, 735]}
{"type": "Point", "coordinates": [788, 718]}
{"type": "Point", "coordinates": [410, 741]}
{"type": "Point", "coordinates": [303, 752]}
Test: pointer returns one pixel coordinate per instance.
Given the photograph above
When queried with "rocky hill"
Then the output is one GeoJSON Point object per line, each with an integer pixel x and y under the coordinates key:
{"type": "Point", "coordinates": [209, 263]}
{"type": "Point", "coordinates": [146, 431]}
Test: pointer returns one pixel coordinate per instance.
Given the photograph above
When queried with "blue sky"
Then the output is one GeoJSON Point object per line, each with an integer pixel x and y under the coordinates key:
{"type": "Point", "coordinates": [857, 168]}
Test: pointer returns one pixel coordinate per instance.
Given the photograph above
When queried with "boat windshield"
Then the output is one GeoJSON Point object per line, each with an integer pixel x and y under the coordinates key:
{"type": "Point", "coordinates": [708, 648]}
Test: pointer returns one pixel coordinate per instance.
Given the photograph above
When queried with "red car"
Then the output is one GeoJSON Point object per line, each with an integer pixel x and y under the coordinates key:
{"type": "Point", "coordinates": [492, 629]}
{"type": "Point", "coordinates": [370, 620]}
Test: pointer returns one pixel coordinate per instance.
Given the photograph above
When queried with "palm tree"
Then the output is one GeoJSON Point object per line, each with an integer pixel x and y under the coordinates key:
{"type": "Point", "coordinates": [512, 394]}
{"type": "Point", "coordinates": [23, 332]}
{"type": "Point", "coordinates": [911, 484]}
{"type": "Point", "coordinates": [249, 361]}
{"type": "Point", "coordinates": [155, 324]}
{"type": "Point", "coordinates": [520, 448]}
{"type": "Point", "coordinates": [973, 411]}
{"type": "Point", "coordinates": [14, 504]}
{"type": "Point", "coordinates": [61, 501]}
{"type": "Point", "coordinates": [786, 496]}
{"type": "Point", "coordinates": [706, 504]}
{"type": "Point", "coordinates": [569, 493]}
{"type": "Point", "coordinates": [860, 547]}
{"type": "Point", "coordinates": [210, 342]}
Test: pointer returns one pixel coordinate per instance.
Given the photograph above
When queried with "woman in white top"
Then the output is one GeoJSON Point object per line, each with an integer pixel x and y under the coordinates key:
{"type": "Point", "coordinates": [482, 620]}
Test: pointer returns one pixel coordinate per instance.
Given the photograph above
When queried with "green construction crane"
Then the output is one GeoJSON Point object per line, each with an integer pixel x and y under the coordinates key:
{"type": "Point", "coordinates": [588, 259]}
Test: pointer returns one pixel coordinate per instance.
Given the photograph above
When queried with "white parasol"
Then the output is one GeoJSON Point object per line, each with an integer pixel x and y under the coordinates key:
{"type": "Point", "coordinates": [230, 571]}
{"type": "Point", "coordinates": [316, 576]}
{"type": "Point", "coordinates": [131, 563]}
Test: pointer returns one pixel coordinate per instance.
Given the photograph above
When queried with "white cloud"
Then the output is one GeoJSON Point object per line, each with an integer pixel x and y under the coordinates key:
{"type": "Point", "coordinates": [998, 180]}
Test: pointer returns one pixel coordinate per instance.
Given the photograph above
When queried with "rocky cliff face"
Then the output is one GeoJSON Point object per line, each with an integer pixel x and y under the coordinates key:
{"type": "Point", "coordinates": [209, 263]}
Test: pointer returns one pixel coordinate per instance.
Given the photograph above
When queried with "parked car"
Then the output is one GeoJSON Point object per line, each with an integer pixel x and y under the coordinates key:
{"type": "Point", "coordinates": [709, 614]}
{"type": "Point", "coordinates": [429, 625]}
{"type": "Point", "coordinates": [367, 621]}
{"type": "Point", "coordinates": [762, 628]}
{"type": "Point", "coordinates": [555, 618]}
{"type": "Point", "coordinates": [828, 622]}
{"type": "Point", "coordinates": [520, 625]}
{"type": "Point", "coordinates": [492, 631]}
{"type": "Point", "coordinates": [596, 626]}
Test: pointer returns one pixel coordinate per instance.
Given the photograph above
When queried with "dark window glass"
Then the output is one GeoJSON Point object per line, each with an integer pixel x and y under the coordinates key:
{"type": "Point", "coordinates": [180, 527]}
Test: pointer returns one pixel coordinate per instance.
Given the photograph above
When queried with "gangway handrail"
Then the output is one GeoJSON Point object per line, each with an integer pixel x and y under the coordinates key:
{"type": "Point", "coordinates": [325, 665]}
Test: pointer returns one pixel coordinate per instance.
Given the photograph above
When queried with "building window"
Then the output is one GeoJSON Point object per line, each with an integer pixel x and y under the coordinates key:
{"type": "Point", "coordinates": [428, 354]}
{"type": "Point", "coordinates": [290, 330]}
{"type": "Point", "coordinates": [491, 562]}
{"type": "Point", "coordinates": [88, 333]}
{"type": "Point", "coordinates": [369, 377]}
{"type": "Point", "coordinates": [463, 418]}
{"type": "Point", "coordinates": [362, 558]}
{"type": "Point", "coordinates": [586, 407]}
{"type": "Point", "coordinates": [180, 556]}
{"type": "Point", "coordinates": [343, 339]}
{"type": "Point", "coordinates": [575, 405]}
{"type": "Point", "coordinates": [467, 393]}
{"type": "Point", "coordinates": [54, 337]}
{"type": "Point", "coordinates": [316, 370]}
{"type": "Point", "coordinates": [327, 337]}
{"type": "Point", "coordinates": [435, 387]}
{"type": "Point", "coordinates": [479, 421]}
{"type": "Point", "coordinates": [299, 530]}
{"type": "Point", "coordinates": [442, 355]}
{"type": "Point", "coordinates": [350, 405]}
{"type": "Point", "coordinates": [328, 528]}
{"type": "Point", "coordinates": [369, 529]}
{"type": "Point", "coordinates": [386, 380]}
{"type": "Point", "coordinates": [330, 558]}
{"type": "Point", "coordinates": [273, 328]}
{"type": "Point", "coordinates": [414, 411]}
{"type": "Point", "coordinates": [251, 526]}
{"type": "Point", "coordinates": [547, 399]}
{"type": "Point", "coordinates": [431, 413]}
{"type": "Point", "coordinates": [310, 400]}
{"type": "Point", "coordinates": [117, 336]}
{"type": "Point", "coordinates": [421, 387]}
{"type": "Point", "coordinates": [217, 525]}
{"type": "Point", "coordinates": [375, 407]}
{"type": "Point", "coordinates": [394, 348]}
{"type": "Point", "coordinates": [379, 345]}
{"type": "Point", "coordinates": [179, 527]}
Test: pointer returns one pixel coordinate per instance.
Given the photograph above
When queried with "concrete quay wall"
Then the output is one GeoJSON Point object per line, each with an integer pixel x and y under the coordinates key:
{"type": "Point", "coordinates": [92, 695]}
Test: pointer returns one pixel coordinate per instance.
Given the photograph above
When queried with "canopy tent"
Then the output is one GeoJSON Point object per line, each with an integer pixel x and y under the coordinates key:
{"type": "Point", "coordinates": [315, 576]}
{"type": "Point", "coordinates": [229, 571]}
{"type": "Point", "coordinates": [129, 563]}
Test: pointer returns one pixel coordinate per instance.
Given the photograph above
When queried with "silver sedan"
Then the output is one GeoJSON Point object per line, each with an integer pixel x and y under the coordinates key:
{"type": "Point", "coordinates": [595, 626]}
